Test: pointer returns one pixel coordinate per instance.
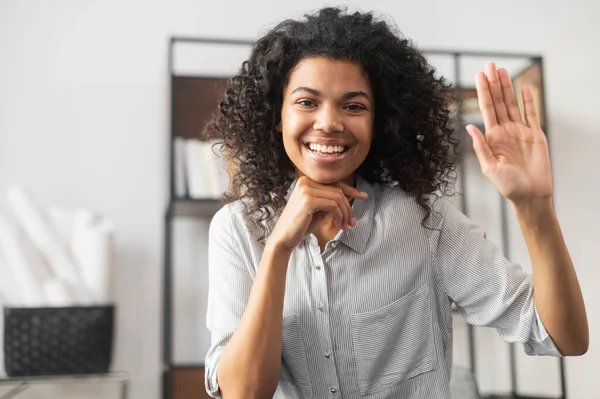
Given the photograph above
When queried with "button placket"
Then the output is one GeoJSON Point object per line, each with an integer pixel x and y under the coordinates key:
{"type": "Point", "coordinates": [321, 306]}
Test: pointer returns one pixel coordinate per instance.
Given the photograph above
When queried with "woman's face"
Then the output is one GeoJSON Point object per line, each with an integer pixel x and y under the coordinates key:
{"type": "Point", "coordinates": [327, 119]}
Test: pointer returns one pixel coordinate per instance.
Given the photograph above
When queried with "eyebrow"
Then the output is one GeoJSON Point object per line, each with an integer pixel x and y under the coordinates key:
{"type": "Point", "coordinates": [346, 96]}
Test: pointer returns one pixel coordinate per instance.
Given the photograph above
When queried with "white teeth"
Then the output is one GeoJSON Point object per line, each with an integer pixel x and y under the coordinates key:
{"type": "Point", "coordinates": [327, 149]}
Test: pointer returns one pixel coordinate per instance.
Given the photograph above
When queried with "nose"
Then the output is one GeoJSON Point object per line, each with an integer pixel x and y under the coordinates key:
{"type": "Point", "coordinates": [328, 121]}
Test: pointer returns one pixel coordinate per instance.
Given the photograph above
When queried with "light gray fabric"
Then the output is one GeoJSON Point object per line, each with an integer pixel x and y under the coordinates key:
{"type": "Point", "coordinates": [371, 315]}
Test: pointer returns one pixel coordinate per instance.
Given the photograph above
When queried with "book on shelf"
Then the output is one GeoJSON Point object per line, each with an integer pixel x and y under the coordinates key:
{"type": "Point", "coordinates": [181, 185]}
{"type": "Point", "coordinates": [201, 169]}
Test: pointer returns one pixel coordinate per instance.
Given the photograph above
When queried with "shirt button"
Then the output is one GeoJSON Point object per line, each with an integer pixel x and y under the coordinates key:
{"type": "Point", "coordinates": [333, 389]}
{"type": "Point", "coordinates": [334, 244]}
{"type": "Point", "coordinates": [318, 267]}
{"type": "Point", "coordinates": [327, 354]}
{"type": "Point", "coordinates": [320, 305]}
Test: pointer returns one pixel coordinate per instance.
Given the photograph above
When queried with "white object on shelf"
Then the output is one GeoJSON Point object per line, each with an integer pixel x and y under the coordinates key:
{"type": "Point", "coordinates": [46, 238]}
{"type": "Point", "coordinates": [93, 250]}
{"type": "Point", "coordinates": [57, 293]}
{"type": "Point", "coordinates": [198, 186]}
{"type": "Point", "coordinates": [62, 219]}
{"type": "Point", "coordinates": [222, 170]}
{"type": "Point", "coordinates": [9, 291]}
{"type": "Point", "coordinates": [211, 161]}
{"type": "Point", "coordinates": [206, 168]}
{"type": "Point", "coordinates": [25, 264]}
{"type": "Point", "coordinates": [179, 146]}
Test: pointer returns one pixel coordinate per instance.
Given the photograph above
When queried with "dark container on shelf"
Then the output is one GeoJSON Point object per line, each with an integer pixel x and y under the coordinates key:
{"type": "Point", "coordinates": [58, 340]}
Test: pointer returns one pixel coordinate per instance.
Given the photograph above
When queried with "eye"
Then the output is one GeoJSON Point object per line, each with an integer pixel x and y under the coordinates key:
{"type": "Point", "coordinates": [306, 103]}
{"type": "Point", "coordinates": [355, 107]}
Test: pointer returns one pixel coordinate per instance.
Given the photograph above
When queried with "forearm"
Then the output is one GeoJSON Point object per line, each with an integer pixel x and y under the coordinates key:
{"type": "Point", "coordinates": [557, 294]}
{"type": "Point", "coordinates": [250, 364]}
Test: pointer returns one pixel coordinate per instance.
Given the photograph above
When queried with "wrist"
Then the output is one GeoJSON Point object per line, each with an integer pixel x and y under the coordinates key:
{"type": "Point", "coordinates": [534, 207]}
{"type": "Point", "coordinates": [276, 247]}
{"type": "Point", "coordinates": [274, 261]}
{"type": "Point", "coordinates": [535, 216]}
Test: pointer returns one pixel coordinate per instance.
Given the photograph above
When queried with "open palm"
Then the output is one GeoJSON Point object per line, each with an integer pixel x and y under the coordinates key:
{"type": "Point", "coordinates": [513, 154]}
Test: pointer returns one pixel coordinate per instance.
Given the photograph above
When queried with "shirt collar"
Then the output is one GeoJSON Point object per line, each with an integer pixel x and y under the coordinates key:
{"type": "Point", "coordinates": [362, 210]}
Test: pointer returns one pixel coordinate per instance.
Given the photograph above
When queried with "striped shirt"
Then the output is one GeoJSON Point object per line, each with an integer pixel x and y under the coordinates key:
{"type": "Point", "coordinates": [371, 314]}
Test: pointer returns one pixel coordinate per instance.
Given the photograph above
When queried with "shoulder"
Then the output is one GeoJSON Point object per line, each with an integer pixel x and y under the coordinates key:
{"type": "Point", "coordinates": [232, 221]}
{"type": "Point", "coordinates": [395, 202]}
{"type": "Point", "coordinates": [227, 218]}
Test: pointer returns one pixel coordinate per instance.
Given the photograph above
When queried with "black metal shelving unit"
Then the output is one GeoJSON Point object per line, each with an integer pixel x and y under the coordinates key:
{"type": "Point", "coordinates": [205, 208]}
{"type": "Point", "coordinates": [179, 207]}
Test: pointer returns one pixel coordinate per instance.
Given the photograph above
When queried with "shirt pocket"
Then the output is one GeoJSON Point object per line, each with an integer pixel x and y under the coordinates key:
{"type": "Point", "coordinates": [394, 343]}
{"type": "Point", "coordinates": [294, 367]}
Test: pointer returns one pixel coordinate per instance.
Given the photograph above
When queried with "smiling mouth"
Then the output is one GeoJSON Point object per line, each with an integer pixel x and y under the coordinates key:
{"type": "Point", "coordinates": [326, 150]}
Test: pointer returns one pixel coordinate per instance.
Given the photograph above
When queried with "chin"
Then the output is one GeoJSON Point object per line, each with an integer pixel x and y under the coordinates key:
{"type": "Point", "coordinates": [326, 181]}
{"type": "Point", "coordinates": [326, 178]}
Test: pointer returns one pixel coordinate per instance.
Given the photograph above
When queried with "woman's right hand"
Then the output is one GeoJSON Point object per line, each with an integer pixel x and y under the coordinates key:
{"type": "Point", "coordinates": [309, 204]}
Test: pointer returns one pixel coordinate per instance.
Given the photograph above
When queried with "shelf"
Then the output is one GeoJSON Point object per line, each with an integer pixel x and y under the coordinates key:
{"type": "Point", "coordinates": [117, 376]}
{"type": "Point", "coordinates": [201, 207]}
{"type": "Point", "coordinates": [22, 383]}
{"type": "Point", "coordinates": [188, 366]}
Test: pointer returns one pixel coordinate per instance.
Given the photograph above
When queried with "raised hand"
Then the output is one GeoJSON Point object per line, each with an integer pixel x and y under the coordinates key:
{"type": "Point", "coordinates": [309, 204]}
{"type": "Point", "coordinates": [513, 154]}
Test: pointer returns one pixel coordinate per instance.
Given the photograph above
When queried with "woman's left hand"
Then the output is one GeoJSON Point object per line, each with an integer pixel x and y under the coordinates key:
{"type": "Point", "coordinates": [513, 154]}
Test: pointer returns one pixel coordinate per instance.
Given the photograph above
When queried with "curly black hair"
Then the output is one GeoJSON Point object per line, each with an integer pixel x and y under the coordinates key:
{"type": "Point", "coordinates": [413, 144]}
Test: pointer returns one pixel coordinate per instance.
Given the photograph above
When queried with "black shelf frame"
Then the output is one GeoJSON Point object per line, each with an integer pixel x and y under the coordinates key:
{"type": "Point", "coordinates": [206, 207]}
{"type": "Point", "coordinates": [196, 207]}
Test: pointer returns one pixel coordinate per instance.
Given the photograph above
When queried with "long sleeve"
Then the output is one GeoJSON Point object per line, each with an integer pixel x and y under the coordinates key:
{"type": "Point", "coordinates": [487, 289]}
{"type": "Point", "coordinates": [230, 282]}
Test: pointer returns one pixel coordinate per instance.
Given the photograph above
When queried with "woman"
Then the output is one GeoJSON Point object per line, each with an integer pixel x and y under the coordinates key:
{"type": "Point", "coordinates": [333, 273]}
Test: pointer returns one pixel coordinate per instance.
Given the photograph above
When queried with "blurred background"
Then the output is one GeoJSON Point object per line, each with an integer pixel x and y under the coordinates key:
{"type": "Point", "coordinates": [85, 121]}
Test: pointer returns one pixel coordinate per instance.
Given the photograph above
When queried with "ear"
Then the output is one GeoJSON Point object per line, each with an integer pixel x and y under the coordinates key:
{"type": "Point", "coordinates": [278, 127]}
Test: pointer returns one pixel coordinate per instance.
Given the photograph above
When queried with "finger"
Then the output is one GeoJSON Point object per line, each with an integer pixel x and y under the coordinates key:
{"type": "Point", "coordinates": [351, 192]}
{"type": "Point", "coordinates": [311, 190]}
{"type": "Point", "coordinates": [348, 206]}
{"type": "Point", "coordinates": [509, 96]}
{"type": "Point", "coordinates": [531, 118]}
{"type": "Point", "coordinates": [484, 154]}
{"type": "Point", "coordinates": [339, 192]}
{"type": "Point", "coordinates": [486, 105]}
{"type": "Point", "coordinates": [336, 194]}
{"type": "Point", "coordinates": [496, 92]}
{"type": "Point", "coordinates": [344, 203]}
{"type": "Point", "coordinates": [330, 206]}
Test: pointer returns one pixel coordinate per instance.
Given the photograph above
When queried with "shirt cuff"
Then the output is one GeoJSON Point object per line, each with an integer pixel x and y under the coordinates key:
{"type": "Point", "coordinates": [210, 379]}
{"type": "Point", "coordinates": [541, 343]}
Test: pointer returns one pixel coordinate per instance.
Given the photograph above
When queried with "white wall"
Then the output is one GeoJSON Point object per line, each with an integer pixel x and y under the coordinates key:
{"type": "Point", "coordinates": [84, 121]}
